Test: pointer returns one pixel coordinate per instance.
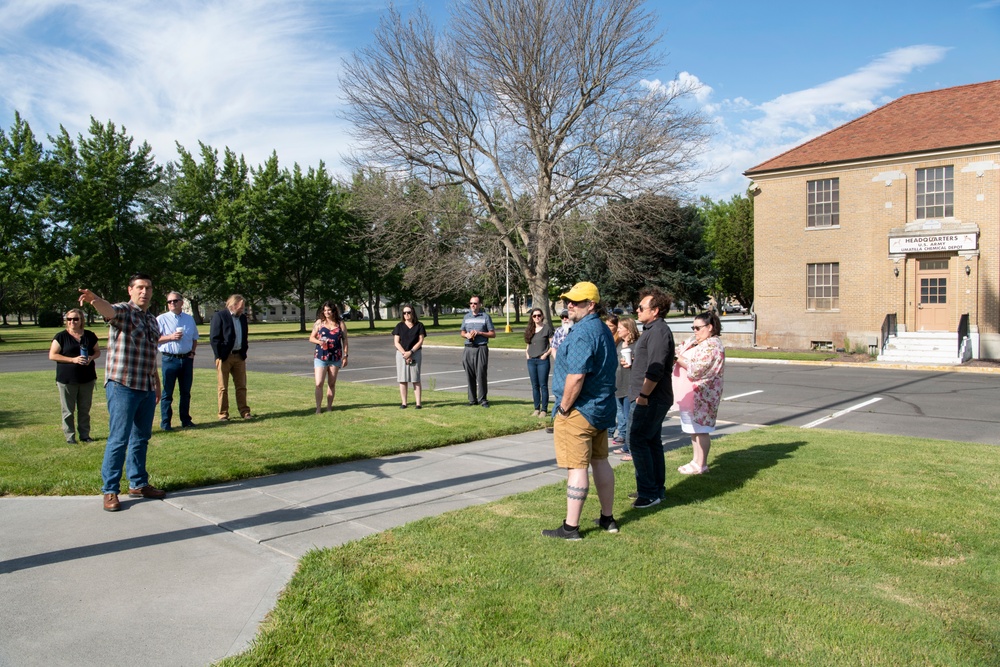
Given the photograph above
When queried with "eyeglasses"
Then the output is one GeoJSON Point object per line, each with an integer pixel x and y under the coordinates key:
{"type": "Point", "coordinates": [473, 303]}
{"type": "Point", "coordinates": [72, 319]}
{"type": "Point", "coordinates": [579, 304]}
{"type": "Point", "coordinates": [538, 315]}
{"type": "Point", "coordinates": [173, 301]}
{"type": "Point", "coordinates": [407, 312]}
{"type": "Point", "coordinates": [640, 308]}
{"type": "Point", "coordinates": [698, 328]}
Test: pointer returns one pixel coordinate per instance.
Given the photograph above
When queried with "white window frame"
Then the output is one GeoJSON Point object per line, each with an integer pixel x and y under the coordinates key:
{"type": "Point", "coordinates": [823, 203]}
{"type": "Point", "coordinates": [935, 193]}
{"type": "Point", "coordinates": [823, 286]}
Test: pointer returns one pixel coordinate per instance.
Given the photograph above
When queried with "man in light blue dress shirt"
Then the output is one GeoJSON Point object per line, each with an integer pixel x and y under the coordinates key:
{"type": "Point", "coordinates": [178, 342]}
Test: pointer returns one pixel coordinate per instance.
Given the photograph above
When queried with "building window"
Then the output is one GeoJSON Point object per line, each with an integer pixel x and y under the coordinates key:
{"type": "Point", "coordinates": [824, 203]}
{"type": "Point", "coordinates": [935, 193]}
{"type": "Point", "coordinates": [824, 286]}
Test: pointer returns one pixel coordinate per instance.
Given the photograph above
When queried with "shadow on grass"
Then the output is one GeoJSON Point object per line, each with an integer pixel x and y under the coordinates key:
{"type": "Point", "coordinates": [730, 472]}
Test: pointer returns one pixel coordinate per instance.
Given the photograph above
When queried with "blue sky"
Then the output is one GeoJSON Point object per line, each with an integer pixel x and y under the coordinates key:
{"type": "Point", "coordinates": [262, 75]}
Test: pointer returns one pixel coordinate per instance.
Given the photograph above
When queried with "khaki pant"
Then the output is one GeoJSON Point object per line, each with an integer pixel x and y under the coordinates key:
{"type": "Point", "coordinates": [76, 398]}
{"type": "Point", "coordinates": [238, 369]}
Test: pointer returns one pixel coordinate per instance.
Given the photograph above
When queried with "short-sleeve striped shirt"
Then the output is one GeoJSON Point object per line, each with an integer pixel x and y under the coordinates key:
{"type": "Point", "coordinates": [133, 335]}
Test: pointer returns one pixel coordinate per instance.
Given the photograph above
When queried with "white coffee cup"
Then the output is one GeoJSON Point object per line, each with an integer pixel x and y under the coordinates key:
{"type": "Point", "coordinates": [627, 355]}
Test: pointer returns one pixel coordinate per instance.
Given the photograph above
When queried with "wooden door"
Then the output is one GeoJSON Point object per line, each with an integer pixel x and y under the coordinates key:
{"type": "Point", "coordinates": [933, 312]}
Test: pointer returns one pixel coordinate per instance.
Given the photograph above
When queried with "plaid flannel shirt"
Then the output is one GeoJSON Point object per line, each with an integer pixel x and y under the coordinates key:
{"type": "Point", "coordinates": [133, 336]}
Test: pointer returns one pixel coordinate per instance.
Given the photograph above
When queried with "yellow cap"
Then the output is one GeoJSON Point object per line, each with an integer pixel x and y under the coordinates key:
{"type": "Point", "coordinates": [582, 292]}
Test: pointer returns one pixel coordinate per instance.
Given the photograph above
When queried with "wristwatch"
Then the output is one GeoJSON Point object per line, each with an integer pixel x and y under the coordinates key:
{"type": "Point", "coordinates": [560, 410]}
{"type": "Point", "coordinates": [646, 396]}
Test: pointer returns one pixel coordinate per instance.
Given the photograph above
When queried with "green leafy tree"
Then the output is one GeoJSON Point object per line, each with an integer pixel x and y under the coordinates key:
{"type": "Point", "coordinates": [101, 187]}
{"type": "Point", "coordinates": [306, 241]}
{"type": "Point", "coordinates": [23, 207]}
{"type": "Point", "coordinates": [730, 236]}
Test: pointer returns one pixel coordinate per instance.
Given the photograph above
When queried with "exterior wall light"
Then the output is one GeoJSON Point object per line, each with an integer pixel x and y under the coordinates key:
{"type": "Point", "coordinates": [895, 271]}
{"type": "Point", "coordinates": [968, 269]}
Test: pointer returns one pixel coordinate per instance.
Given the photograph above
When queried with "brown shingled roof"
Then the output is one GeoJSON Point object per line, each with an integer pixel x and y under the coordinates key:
{"type": "Point", "coordinates": [947, 118]}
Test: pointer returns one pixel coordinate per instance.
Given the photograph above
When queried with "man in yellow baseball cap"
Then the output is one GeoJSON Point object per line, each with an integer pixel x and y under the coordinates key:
{"type": "Point", "coordinates": [584, 386]}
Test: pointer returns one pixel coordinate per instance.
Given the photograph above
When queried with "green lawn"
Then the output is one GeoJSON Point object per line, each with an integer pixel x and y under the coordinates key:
{"type": "Point", "coordinates": [799, 548]}
{"type": "Point", "coordinates": [286, 435]}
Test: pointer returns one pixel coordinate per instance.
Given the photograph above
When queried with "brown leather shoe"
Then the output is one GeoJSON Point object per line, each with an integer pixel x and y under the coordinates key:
{"type": "Point", "coordinates": [147, 492]}
{"type": "Point", "coordinates": [111, 503]}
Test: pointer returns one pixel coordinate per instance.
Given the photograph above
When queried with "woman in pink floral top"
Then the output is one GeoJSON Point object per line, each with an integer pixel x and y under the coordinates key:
{"type": "Point", "coordinates": [701, 361]}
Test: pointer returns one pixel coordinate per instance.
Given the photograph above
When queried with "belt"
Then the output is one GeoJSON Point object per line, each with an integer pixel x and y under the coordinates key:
{"type": "Point", "coordinates": [177, 356]}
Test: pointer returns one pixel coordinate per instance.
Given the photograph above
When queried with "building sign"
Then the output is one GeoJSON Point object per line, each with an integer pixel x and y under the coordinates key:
{"type": "Point", "coordinates": [938, 243]}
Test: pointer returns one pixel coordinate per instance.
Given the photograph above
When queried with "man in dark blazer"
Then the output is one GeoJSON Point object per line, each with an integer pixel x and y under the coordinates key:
{"type": "Point", "coordinates": [228, 335]}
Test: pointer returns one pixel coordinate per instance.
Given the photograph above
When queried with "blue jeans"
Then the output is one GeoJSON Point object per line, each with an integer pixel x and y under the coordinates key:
{"type": "Point", "coordinates": [538, 372]}
{"type": "Point", "coordinates": [130, 425]}
{"type": "Point", "coordinates": [623, 412]}
{"type": "Point", "coordinates": [645, 439]}
{"type": "Point", "coordinates": [181, 372]}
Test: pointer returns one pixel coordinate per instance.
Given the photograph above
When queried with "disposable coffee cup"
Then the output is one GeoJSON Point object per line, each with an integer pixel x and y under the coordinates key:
{"type": "Point", "coordinates": [627, 355]}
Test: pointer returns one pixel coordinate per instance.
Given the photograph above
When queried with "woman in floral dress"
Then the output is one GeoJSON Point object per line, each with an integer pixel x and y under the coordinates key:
{"type": "Point", "coordinates": [701, 361]}
{"type": "Point", "coordinates": [330, 337]}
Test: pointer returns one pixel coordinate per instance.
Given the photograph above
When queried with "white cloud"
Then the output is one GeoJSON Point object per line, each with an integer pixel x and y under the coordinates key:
{"type": "Point", "coordinates": [748, 135]}
{"type": "Point", "coordinates": [256, 75]}
{"type": "Point", "coordinates": [685, 83]}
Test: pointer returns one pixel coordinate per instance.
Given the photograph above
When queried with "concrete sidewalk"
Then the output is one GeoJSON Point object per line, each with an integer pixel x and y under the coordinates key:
{"type": "Point", "coordinates": [187, 580]}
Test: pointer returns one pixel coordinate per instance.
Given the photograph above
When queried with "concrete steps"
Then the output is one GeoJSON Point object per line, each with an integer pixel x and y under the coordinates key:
{"type": "Point", "coordinates": [922, 347]}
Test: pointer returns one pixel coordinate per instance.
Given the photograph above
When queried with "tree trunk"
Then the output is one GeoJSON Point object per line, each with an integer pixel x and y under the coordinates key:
{"type": "Point", "coordinates": [196, 311]}
{"type": "Point", "coordinates": [302, 308]}
{"type": "Point", "coordinates": [539, 286]}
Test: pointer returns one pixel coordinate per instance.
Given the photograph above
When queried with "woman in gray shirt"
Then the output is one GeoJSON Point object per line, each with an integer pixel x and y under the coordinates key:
{"type": "Point", "coordinates": [538, 335]}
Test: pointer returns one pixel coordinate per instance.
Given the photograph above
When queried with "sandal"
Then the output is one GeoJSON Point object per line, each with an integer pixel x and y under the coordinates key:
{"type": "Point", "coordinates": [619, 451]}
{"type": "Point", "coordinates": [626, 457]}
{"type": "Point", "coordinates": [692, 469]}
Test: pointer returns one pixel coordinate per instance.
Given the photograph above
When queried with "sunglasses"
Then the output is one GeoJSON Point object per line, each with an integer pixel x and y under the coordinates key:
{"type": "Point", "coordinates": [698, 328]}
{"type": "Point", "coordinates": [72, 319]}
{"type": "Point", "coordinates": [579, 304]}
{"type": "Point", "coordinates": [473, 303]}
{"type": "Point", "coordinates": [172, 301]}
{"type": "Point", "coordinates": [640, 308]}
{"type": "Point", "coordinates": [538, 315]}
{"type": "Point", "coordinates": [407, 312]}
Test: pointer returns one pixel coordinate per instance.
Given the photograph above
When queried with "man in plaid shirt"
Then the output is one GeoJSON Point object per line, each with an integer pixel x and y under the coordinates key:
{"type": "Point", "coordinates": [132, 386]}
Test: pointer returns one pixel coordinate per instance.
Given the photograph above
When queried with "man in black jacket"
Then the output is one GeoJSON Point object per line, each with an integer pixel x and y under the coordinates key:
{"type": "Point", "coordinates": [228, 335]}
{"type": "Point", "coordinates": [651, 396]}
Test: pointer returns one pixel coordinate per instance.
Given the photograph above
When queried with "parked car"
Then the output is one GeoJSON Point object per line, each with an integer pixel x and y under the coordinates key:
{"type": "Point", "coordinates": [353, 314]}
{"type": "Point", "coordinates": [732, 308]}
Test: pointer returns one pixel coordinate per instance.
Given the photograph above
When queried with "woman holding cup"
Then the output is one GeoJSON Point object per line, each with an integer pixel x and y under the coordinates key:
{"type": "Point", "coordinates": [628, 333]}
{"type": "Point", "coordinates": [330, 337]}
{"type": "Point", "coordinates": [74, 351]}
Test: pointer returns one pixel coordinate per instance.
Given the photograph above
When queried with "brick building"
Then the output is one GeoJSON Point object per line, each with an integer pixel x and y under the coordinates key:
{"type": "Point", "coordinates": [895, 213]}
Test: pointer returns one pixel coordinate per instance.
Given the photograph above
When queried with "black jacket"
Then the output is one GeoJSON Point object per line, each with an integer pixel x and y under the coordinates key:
{"type": "Point", "coordinates": [223, 335]}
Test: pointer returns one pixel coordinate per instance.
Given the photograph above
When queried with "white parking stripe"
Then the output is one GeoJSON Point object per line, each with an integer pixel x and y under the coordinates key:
{"type": "Point", "coordinates": [842, 412]}
{"type": "Point", "coordinates": [465, 386]}
{"type": "Point", "coordinates": [749, 393]}
{"type": "Point", "coordinates": [393, 377]}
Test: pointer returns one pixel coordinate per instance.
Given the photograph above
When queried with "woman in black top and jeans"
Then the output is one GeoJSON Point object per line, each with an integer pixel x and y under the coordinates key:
{"type": "Point", "coordinates": [538, 336]}
{"type": "Point", "coordinates": [74, 351]}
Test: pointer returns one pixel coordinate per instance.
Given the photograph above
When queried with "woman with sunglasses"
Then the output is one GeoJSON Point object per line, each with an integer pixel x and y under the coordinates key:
{"type": "Point", "coordinates": [408, 337]}
{"type": "Point", "coordinates": [74, 351]}
{"type": "Point", "coordinates": [538, 336]}
{"type": "Point", "coordinates": [698, 371]}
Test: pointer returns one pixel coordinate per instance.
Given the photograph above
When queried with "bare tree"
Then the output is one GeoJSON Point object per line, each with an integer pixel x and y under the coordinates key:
{"type": "Point", "coordinates": [426, 232]}
{"type": "Point", "coordinates": [536, 100]}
